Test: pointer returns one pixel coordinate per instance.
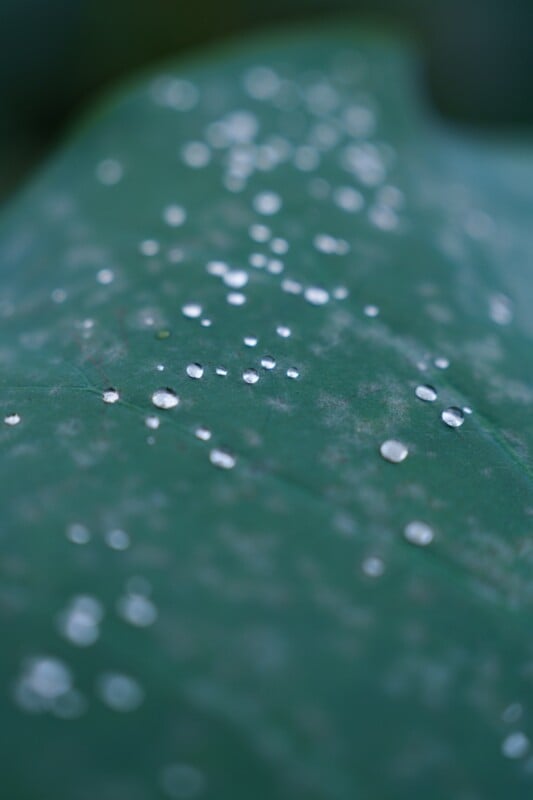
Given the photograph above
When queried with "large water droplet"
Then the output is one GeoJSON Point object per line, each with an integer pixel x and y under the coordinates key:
{"type": "Point", "coordinates": [267, 362]}
{"type": "Point", "coordinates": [453, 417]}
{"type": "Point", "coordinates": [394, 451]}
{"type": "Point", "coordinates": [110, 396]}
{"type": "Point", "coordinates": [192, 310]}
{"type": "Point", "coordinates": [418, 533]}
{"type": "Point", "coordinates": [515, 745]}
{"type": "Point", "coordinates": [12, 419]}
{"type": "Point", "coordinates": [250, 375]}
{"type": "Point", "coordinates": [222, 459]}
{"type": "Point", "coordinates": [316, 296]}
{"type": "Point", "coordinates": [426, 392]}
{"type": "Point", "coordinates": [165, 398]}
{"type": "Point", "coordinates": [195, 371]}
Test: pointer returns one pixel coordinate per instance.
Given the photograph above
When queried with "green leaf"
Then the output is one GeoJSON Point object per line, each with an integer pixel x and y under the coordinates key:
{"type": "Point", "coordinates": [174, 628]}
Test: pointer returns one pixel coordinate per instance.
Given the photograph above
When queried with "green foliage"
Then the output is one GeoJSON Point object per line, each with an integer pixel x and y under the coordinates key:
{"type": "Point", "coordinates": [303, 647]}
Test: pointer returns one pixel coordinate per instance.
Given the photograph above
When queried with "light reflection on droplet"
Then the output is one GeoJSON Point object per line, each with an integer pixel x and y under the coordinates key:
{"type": "Point", "coordinates": [110, 396]}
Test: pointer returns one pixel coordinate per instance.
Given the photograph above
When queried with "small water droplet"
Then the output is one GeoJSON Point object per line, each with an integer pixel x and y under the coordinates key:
{"type": "Point", "coordinates": [453, 417]}
{"type": "Point", "coordinates": [165, 398]}
{"type": "Point", "coordinates": [149, 247]}
{"type": "Point", "coordinates": [267, 203]}
{"type": "Point", "coordinates": [292, 372]}
{"type": "Point", "coordinates": [78, 533]}
{"type": "Point", "coordinates": [137, 609]}
{"type": "Point", "coordinates": [394, 451]}
{"type": "Point", "coordinates": [267, 362]}
{"type": "Point", "coordinates": [283, 331]}
{"type": "Point", "coordinates": [250, 375]}
{"type": "Point", "coordinates": [105, 276]}
{"type": "Point", "coordinates": [117, 539]}
{"type": "Point", "coordinates": [192, 310]}
{"type": "Point", "coordinates": [442, 363]}
{"type": "Point", "coordinates": [222, 459]}
{"type": "Point", "coordinates": [204, 434]}
{"type": "Point", "coordinates": [120, 692]}
{"type": "Point", "coordinates": [426, 392]}
{"type": "Point", "coordinates": [515, 745]}
{"type": "Point", "coordinates": [235, 278]}
{"type": "Point", "coordinates": [373, 566]}
{"type": "Point", "coordinates": [110, 396]}
{"type": "Point", "coordinates": [152, 422]}
{"type": "Point", "coordinates": [195, 371]}
{"type": "Point", "coordinates": [174, 215]}
{"type": "Point", "coordinates": [250, 341]}
{"type": "Point", "coordinates": [316, 296]}
{"type": "Point", "coordinates": [418, 533]}
{"type": "Point", "coordinates": [222, 371]}
{"type": "Point", "coordinates": [371, 311]}
{"type": "Point", "coordinates": [236, 298]}
{"type": "Point", "coordinates": [12, 419]}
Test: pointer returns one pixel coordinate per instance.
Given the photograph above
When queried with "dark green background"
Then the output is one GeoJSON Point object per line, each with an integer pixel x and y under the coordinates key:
{"type": "Point", "coordinates": [56, 55]}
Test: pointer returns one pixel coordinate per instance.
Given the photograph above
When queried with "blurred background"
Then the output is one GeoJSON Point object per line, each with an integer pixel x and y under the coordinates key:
{"type": "Point", "coordinates": [57, 55]}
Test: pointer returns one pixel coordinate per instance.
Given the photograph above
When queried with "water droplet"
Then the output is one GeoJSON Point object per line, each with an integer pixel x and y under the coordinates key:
{"type": "Point", "coordinates": [250, 375]}
{"type": "Point", "coordinates": [192, 310]}
{"type": "Point", "coordinates": [58, 295]}
{"type": "Point", "coordinates": [182, 782]}
{"type": "Point", "coordinates": [165, 398]}
{"type": "Point", "coordinates": [348, 199]}
{"type": "Point", "coordinates": [340, 293]}
{"type": "Point", "coordinates": [78, 533]}
{"type": "Point", "coordinates": [453, 417]}
{"type": "Point", "coordinates": [196, 154]}
{"type": "Point", "coordinates": [174, 215]}
{"type": "Point", "coordinates": [515, 745]}
{"type": "Point", "coordinates": [195, 371]}
{"type": "Point", "coordinates": [267, 203]}
{"type": "Point", "coordinates": [250, 341]}
{"type": "Point", "coordinates": [204, 434]}
{"type": "Point", "coordinates": [442, 363]}
{"type": "Point", "coordinates": [373, 566]}
{"type": "Point", "coordinates": [292, 372]}
{"type": "Point", "coordinates": [222, 459]}
{"type": "Point", "coordinates": [80, 623]}
{"type": "Point", "coordinates": [109, 172]}
{"type": "Point", "coordinates": [119, 692]}
{"type": "Point", "coordinates": [291, 287]}
{"type": "Point", "coordinates": [117, 539]}
{"type": "Point", "coordinates": [426, 392]}
{"type": "Point", "coordinates": [152, 422]}
{"type": "Point", "coordinates": [259, 233]}
{"type": "Point", "coordinates": [235, 278]}
{"type": "Point", "coordinates": [394, 451]}
{"type": "Point", "coordinates": [149, 247]}
{"type": "Point", "coordinates": [418, 533]}
{"type": "Point", "coordinates": [267, 362]}
{"type": "Point", "coordinates": [110, 396]}
{"type": "Point", "coordinates": [500, 309]}
{"type": "Point", "coordinates": [105, 276]}
{"type": "Point", "coordinates": [316, 296]}
{"type": "Point", "coordinates": [12, 419]}
{"type": "Point", "coordinates": [371, 311]}
{"type": "Point", "coordinates": [222, 371]}
{"type": "Point", "coordinates": [137, 609]}
{"type": "Point", "coordinates": [236, 298]}
{"type": "Point", "coordinates": [283, 331]}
